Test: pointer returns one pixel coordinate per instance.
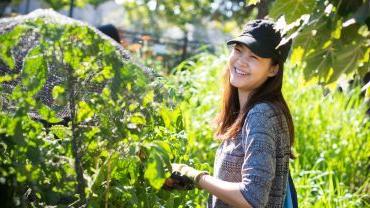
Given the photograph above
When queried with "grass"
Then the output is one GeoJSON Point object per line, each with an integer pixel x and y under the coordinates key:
{"type": "Point", "coordinates": [332, 131]}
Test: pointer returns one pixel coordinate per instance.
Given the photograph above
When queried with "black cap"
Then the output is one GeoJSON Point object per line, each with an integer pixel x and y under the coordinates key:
{"type": "Point", "coordinates": [262, 38]}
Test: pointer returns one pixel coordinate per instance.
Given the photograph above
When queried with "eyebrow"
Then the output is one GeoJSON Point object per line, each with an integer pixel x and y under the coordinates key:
{"type": "Point", "coordinates": [240, 46]}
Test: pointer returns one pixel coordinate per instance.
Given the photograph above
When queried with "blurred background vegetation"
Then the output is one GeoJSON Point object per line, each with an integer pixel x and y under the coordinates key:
{"type": "Point", "coordinates": [326, 85]}
{"type": "Point", "coordinates": [331, 36]}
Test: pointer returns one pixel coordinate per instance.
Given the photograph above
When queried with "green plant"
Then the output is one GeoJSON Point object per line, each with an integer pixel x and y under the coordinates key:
{"type": "Point", "coordinates": [122, 134]}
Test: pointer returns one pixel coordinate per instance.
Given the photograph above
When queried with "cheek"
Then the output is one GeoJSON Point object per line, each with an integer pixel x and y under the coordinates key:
{"type": "Point", "coordinates": [231, 62]}
{"type": "Point", "coordinates": [255, 64]}
{"type": "Point", "coordinates": [258, 68]}
{"type": "Point", "coordinates": [232, 58]}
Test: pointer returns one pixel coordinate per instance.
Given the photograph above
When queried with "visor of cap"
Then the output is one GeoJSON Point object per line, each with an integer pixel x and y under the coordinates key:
{"type": "Point", "coordinates": [253, 45]}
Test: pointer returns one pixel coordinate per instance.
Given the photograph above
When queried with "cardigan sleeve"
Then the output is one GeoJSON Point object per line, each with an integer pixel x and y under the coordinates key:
{"type": "Point", "coordinates": [258, 168]}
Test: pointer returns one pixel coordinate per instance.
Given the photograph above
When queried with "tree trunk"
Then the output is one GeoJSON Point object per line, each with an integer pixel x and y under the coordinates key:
{"type": "Point", "coordinates": [262, 7]}
{"type": "Point", "coordinates": [71, 8]}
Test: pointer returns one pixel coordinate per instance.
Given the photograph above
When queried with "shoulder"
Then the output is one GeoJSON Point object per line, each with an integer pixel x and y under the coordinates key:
{"type": "Point", "coordinates": [262, 117]}
{"type": "Point", "coordinates": [262, 110]}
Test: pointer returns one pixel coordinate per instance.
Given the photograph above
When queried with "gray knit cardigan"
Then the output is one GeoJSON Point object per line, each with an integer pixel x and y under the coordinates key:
{"type": "Point", "coordinates": [257, 158]}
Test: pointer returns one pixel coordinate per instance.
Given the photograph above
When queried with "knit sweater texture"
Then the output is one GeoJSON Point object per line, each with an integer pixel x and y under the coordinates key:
{"type": "Point", "coordinates": [257, 158]}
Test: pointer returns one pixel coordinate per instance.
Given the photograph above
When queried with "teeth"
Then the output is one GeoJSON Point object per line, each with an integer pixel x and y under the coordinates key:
{"type": "Point", "coordinates": [239, 72]}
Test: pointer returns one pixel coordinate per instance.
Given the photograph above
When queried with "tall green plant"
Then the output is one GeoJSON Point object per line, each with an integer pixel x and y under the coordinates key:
{"type": "Point", "coordinates": [122, 134]}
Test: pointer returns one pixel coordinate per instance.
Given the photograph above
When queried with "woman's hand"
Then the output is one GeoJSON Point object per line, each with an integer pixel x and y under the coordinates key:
{"type": "Point", "coordinates": [183, 177]}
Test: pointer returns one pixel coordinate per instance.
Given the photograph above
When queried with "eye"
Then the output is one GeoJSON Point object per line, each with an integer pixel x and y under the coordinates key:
{"type": "Point", "coordinates": [237, 49]}
{"type": "Point", "coordinates": [254, 57]}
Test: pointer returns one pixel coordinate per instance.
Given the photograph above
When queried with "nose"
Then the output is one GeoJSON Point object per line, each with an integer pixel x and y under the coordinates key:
{"type": "Point", "coordinates": [242, 61]}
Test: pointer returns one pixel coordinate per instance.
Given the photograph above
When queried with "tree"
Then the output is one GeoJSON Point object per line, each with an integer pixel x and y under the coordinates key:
{"type": "Point", "coordinates": [183, 12]}
{"type": "Point", "coordinates": [59, 4]}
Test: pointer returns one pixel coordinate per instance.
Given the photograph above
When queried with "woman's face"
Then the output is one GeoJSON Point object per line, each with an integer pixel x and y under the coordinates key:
{"type": "Point", "coordinates": [247, 70]}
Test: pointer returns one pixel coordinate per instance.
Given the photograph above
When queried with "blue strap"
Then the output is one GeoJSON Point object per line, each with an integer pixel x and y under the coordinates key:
{"type": "Point", "coordinates": [291, 194]}
{"type": "Point", "coordinates": [288, 197]}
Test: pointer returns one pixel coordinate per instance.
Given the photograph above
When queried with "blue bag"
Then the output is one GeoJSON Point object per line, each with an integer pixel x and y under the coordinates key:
{"type": "Point", "coordinates": [291, 194]}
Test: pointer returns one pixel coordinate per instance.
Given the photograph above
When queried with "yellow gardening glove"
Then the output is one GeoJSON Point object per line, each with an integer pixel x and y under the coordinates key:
{"type": "Point", "coordinates": [183, 177]}
{"type": "Point", "coordinates": [191, 173]}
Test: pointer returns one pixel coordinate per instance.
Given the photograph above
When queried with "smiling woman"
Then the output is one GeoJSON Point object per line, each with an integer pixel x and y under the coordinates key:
{"type": "Point", "coordinates": [247, 70]}
{"type": "Point", "coordinates": [254, 125]}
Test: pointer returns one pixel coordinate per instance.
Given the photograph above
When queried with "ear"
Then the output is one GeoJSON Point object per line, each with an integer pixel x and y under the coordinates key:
{"type": "Point", "coordinates": [273, 70]}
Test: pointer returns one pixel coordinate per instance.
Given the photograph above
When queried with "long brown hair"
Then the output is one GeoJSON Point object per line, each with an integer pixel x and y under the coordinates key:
{"type": "Point", "coordinates": [230, 121]}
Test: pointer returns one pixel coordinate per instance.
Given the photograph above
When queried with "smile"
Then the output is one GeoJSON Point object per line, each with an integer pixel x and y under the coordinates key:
{"type": "Point", "coordinates": [239, 72]}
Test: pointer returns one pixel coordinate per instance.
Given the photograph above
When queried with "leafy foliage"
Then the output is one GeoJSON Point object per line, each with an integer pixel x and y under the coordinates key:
{"type": "Point", "coordinates": [59, 4]}
{"type": "Point", "coordinates": [120, 138]}
{"type": "Point", "coordinates": [225, 14]}
{"type": "Point", "coordinates": [331, 37]}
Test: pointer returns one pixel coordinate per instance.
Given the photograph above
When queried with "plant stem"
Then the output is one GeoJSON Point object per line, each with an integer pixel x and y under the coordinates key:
{"type": "Point", "coordinates": [76, 141]}
{"type": "Point", "coordinates": [108, 182]}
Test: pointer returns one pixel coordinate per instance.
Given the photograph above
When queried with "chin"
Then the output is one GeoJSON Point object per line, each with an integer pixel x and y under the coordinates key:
{"type": "Point", "coordinates": [237, 84]}
{"type": "Point", "coordinates": [241, 84]}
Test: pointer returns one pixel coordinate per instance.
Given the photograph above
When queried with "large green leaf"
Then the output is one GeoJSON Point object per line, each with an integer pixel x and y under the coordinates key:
{"type": "Point", "coordinates": [34, 71]}
{"type": "Point", "coordinates": [329, 44]}
{"type": "Point", "coordinates": [291, 10]}
{"type": "Point", "coordinates": [158, 162]}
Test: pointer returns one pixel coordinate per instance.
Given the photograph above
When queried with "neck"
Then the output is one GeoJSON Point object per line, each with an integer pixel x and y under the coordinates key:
{"type": "Point", "coordinates": [243, 98]}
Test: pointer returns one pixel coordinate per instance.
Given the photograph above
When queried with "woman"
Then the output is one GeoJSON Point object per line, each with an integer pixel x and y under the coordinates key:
{"type": "Point", "coordinates": [251, 165]}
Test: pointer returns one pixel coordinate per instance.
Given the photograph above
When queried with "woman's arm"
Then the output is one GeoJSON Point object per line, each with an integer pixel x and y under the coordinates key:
{"type": "Point", "coordinates": [226, 191]}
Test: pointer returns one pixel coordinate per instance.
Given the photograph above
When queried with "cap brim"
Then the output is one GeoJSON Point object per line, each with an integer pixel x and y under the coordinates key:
{"type": "Point", "coordinates": [253, 45]}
